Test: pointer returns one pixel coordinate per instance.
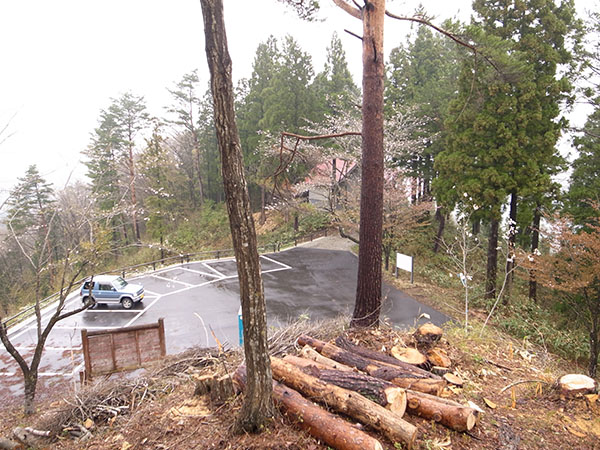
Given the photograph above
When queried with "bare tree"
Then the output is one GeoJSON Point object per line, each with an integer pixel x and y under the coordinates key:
{"type": "Point", "coordinates": [257, 408]}
{"type": "Point", "coordinates": [73, 261]}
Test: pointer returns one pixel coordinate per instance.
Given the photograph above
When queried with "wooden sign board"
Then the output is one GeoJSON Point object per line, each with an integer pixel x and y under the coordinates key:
{"type": "Point", "coordinates": [109, 351]}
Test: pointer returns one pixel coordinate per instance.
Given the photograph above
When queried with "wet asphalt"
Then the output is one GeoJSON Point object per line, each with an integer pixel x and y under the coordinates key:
{"type": "Point", "coordinates": [200, 303]}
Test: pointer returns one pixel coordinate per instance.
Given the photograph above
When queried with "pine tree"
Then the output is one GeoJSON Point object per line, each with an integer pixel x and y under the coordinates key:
{"type": "Point", "coordinates": [334, 87]}
{"type": "Point", "coordinates": [506, 122]}
{"type": "Point", "coordinates": [30, 204]}
{"type": "Point", "coordinates": [159, 180]}
{"type": "Point", "coordinates": [103, 171]}
{"type": "Point", "coordinates": [422, 78]}
{"type": "Point", "coordinates": [584, 186]}
{"type": "Point", "coordinates": [130, 115]}
{"type": "Point", "coordinates": [185, 112]}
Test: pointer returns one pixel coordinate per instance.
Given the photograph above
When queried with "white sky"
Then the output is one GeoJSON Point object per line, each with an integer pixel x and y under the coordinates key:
{"type": "Point", "coordinates": [63, 60]}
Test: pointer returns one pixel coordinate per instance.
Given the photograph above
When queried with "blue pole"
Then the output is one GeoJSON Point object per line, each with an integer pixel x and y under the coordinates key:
{"type": "Point", "coordinates": [241, 326]}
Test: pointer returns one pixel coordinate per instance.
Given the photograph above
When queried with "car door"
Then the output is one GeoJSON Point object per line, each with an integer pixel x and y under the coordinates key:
{"type": "Point", "coordinates": [107, 293]}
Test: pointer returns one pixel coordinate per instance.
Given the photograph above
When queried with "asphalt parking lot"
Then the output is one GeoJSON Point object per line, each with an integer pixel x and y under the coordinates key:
{"type": "Point", "coordinates": [200, 301]}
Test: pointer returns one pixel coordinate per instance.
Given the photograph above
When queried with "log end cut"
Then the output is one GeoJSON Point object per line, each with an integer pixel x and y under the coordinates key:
{"type": "Point", "coordinates": [439, 357]}
{"type": "Point", "coordinates": [396, 400]}
{"type": "Point", "coordinates": [409, 355]}
{"type": "Point", "coordinates": [453, 379]}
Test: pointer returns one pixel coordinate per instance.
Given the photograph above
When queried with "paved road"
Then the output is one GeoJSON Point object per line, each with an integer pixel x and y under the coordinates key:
{"type": "Point", "coordinates": [198, 299]}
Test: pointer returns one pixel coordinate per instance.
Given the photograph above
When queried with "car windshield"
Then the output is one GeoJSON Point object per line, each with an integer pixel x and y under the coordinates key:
{"type": "Point", "coordinates": [120, 283]}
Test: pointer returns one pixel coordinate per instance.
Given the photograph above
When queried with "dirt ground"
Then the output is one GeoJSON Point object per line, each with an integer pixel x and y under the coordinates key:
{"type": "Point", "coordinates": [530, 415]}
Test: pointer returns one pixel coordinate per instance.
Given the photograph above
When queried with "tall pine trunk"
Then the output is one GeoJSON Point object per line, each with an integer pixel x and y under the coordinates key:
{"type": "Point", "coordinates": [368, 289]}
{"type": "Point", "coordinates": [535, 243]}
{"type": "Point", "coordinates": [492, 260]}
{"type": "Point", "coordinates": [440, 216]}
{"type": "Point", "coordinates": [134, 218]}
{"type": "Point", "coordinates": [257, 408]}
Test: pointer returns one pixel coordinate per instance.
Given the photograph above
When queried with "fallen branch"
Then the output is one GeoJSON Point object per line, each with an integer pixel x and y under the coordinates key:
{"type": "Point", "coordinates": [516, 383]}
{"type": "Point", "coordinates": [500, 366]}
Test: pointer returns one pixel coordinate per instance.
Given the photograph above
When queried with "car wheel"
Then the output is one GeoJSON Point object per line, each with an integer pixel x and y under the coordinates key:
{"type": "Point", "coordinates": [85, 299]}
{"type": "Point", "coordinates": [127, 303]}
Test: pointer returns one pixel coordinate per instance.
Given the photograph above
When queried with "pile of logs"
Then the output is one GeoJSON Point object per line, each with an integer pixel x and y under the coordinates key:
{"type": "Point", "coordinates": [371, 387]}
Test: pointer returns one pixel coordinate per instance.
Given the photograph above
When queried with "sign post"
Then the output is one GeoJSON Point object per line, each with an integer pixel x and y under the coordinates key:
{"type": "Point", "coordinates": [407, 263]}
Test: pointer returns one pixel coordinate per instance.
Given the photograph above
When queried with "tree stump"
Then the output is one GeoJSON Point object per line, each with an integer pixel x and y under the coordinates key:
{"type": "Point", "coordinates": [576, 385]}
{"type": "Point", "coordinates": [428, 334]}
{"type": "Point", "coordinates": [218, 389]}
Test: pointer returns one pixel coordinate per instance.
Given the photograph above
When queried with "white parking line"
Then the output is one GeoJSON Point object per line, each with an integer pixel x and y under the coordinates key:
{"type": "Point", "coordinates": [95, 310]}
{"type": "Point", "coordinates": [54, 349]}
{"type": "Point", "coordinates": [202, 273]}
{"type": "Point", "coordinates": [171, 280]}
{"type": "Point", "coordinates": [77, 369]}
{"type": "Point", "coordinates": [284, 266]}
{"type": "Point", "coordinates": [152, 293]}
{"type": "Point", "coordinates": [143, 311]}
{"type": "Point", "coordinates": [222, 275]}
{"type": "Point", "coordinates": [203, 325]}
{"type": "Point", "coordinates": [79, 327]}
{"type": "Point", "coordinates": [276, 270]}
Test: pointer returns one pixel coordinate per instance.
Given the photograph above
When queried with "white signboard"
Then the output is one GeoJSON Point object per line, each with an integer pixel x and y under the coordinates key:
{"type": "Point", "coordinates": [405, 262]}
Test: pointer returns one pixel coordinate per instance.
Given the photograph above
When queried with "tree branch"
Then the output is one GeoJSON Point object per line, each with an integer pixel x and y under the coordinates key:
{"type": "Point", "coordinates": [353, 34]}
{"type": "Point", "coordinates": [321, 136]}
{"type": "Point", "coordinates": [446, 33]}
{"type": "Point", "coordinates": [354, 12]}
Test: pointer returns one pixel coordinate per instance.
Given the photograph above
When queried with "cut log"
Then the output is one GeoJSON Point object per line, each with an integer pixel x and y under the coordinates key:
{"type": "Point", "coordinates": [576, 385]}
{"type": "Point", "coordinates": [447, 412]}
{"type": "Point", "coordinates": [310, 353]}
{"type": "Point", "coordinates": [438, 357]}
{"type": "Point", "coordinates": [441, 371]}
{"type": "Point", "coordinates": [329, 428]}
{"type": "Point", "coordinates": [347, 402]}
{"type": "Point", "coordinates": [410, 377]}
{"type": "Point", "coordinates": [304, 362]}
{"type": "Point", "coordinates": [409, 355]}
{"type": "Point", "coordinates": [380, 357]}
{"type": "Point", "coordinates": [382, 392]}
{"type": "Point", "coordinates": [428, 334]}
